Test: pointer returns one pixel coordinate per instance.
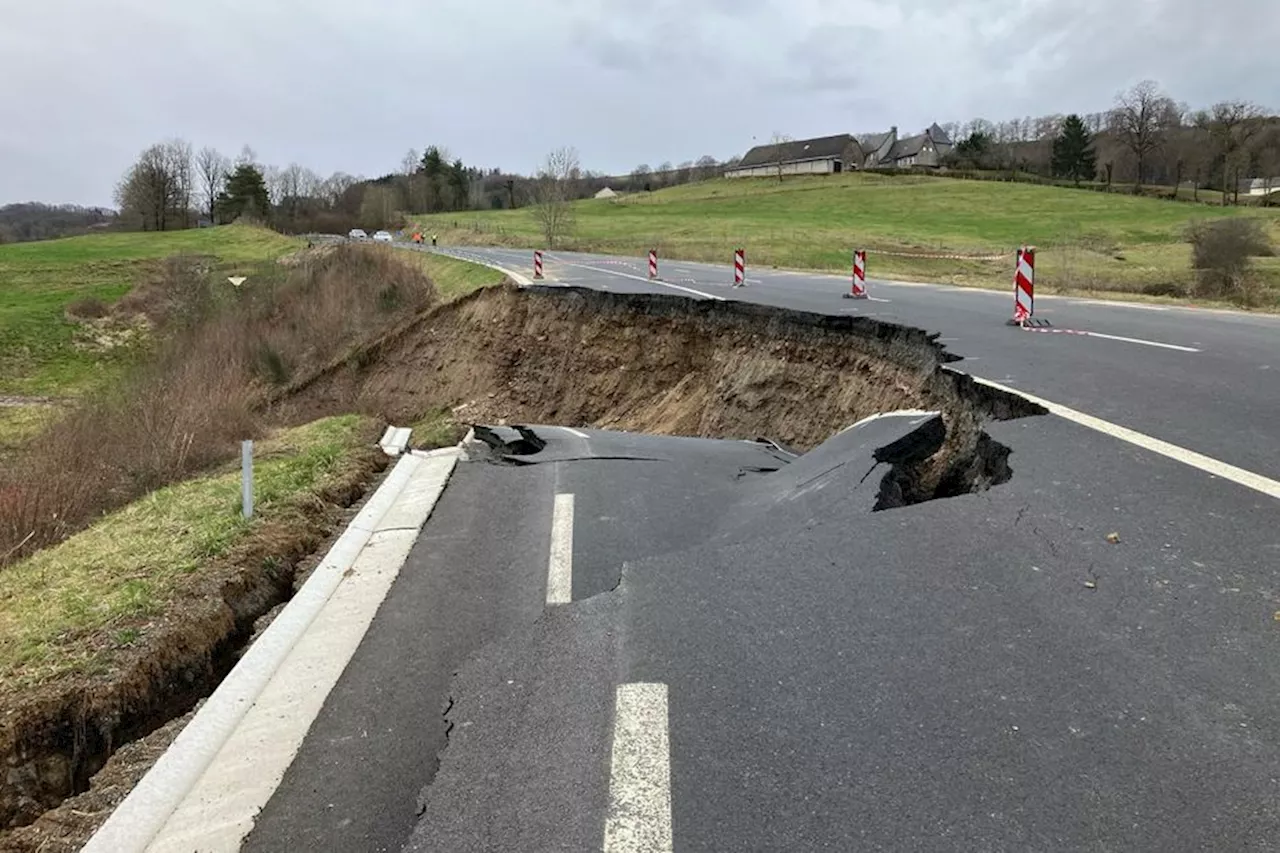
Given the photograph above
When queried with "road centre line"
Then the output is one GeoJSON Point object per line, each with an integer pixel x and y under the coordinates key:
{"type": "Point", "coordinates": [1088, 334]}
{"type": "Point", "coordinates": [560, 562]}
{"type": "Point", "coordinates": [639, 816]}
{"type": "Point", "coordinates": [1209, 465]}
{"type": "Point", "coordinates": [645, 279]}
{"type": "Point", "coordinates": [1141, 341]}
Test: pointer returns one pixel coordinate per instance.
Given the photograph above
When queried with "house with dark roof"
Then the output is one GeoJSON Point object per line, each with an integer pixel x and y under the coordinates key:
{"type": "Point", "coordinates": [824, 155]}
{"type": "Point", "coordinates": [886, 150]}
{"type": "Point", "coordinates": [829, 155]}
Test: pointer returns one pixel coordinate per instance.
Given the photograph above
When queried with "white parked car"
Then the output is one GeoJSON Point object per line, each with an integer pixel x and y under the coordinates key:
{"type": "Point", "coordinates": [382, 237]}
{"type": "Point", "coordinates": [357, 234]}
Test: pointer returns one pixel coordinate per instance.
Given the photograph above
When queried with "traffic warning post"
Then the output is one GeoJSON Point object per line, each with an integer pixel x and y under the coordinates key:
{"type": "Point", "coordinates": [858, 288]}
{"type": "Point", "coordinates": [1024, 280]}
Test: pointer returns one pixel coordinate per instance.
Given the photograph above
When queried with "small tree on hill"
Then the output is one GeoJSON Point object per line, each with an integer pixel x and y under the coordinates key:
{"type": "Point", "coordinates": [1140, 119]}
{"type": "Point", "coordinates": [552, 193]}
{"type": "Point", "coordinates": [246, 195]}
{"type": "Point", "coordinates": [1073, 154]}
{"type": "Point", "coordinates": [778, 151]}
{"type": "Point", "coordinates": [974, 151]}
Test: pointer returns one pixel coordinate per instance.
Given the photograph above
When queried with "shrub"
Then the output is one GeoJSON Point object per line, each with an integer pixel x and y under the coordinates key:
{"type": "Point", "coordinates": [1221, 252]}
{"type": "Point", "coordinates": [204, 385]}
{"type": "Point", "coordinates": [87, 308]}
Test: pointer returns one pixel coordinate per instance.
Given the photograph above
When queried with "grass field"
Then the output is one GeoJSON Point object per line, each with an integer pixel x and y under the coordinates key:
{"type": "Point", "coordinates": [63, 610]}
{"type": "Point", "coordinates": [1089, 241]}
{"type": "Point", "coordinates": [37, 280]}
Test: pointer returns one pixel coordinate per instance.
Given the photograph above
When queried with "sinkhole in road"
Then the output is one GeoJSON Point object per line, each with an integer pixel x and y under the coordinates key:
{"type": "Point", "coordinates": [646, 363]}
{"type": "Point", "coordinates": [670, 365]}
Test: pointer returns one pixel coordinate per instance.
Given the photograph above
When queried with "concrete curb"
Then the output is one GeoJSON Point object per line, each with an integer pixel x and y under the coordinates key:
{"type": "Point", "coordinates": [138, 820]}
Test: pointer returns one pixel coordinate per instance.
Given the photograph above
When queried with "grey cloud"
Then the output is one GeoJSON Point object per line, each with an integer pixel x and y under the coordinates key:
{"type": "Point", "coordinates": [500, 82]}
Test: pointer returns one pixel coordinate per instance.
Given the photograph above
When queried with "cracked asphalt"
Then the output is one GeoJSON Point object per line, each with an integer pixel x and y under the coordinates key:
{"type": "Point", "coordinates": [994, 671]}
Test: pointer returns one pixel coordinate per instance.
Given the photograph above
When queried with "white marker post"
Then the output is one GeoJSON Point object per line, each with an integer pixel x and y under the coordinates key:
{"type": "Point", "coordinates": [246, 478]}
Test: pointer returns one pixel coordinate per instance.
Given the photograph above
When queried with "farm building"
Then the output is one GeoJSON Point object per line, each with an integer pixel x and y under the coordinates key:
{"type": "Point", "coordinates": [822, 156]}
{"type": "Point", "coordinates": [829, 155]}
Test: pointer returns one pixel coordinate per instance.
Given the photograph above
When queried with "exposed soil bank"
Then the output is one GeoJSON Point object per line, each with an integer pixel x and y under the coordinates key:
{"type": "Point", "coordinates": [60, 734]}
{"type": "Point", "coordinates": [670, 365]}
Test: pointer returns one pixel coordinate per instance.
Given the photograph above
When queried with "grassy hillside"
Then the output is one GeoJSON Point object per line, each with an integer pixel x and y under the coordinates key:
{"type": "Point", "coordinates": [1089, 240]}
{"type": "Point", "coordinates": [38, 352]}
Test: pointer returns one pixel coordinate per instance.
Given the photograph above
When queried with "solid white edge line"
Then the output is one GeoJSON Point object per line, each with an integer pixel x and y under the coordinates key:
{"type": "Point", "coordinates": [1240, 476]}
{"type": "Point", "coordinates": [221, 808]}
{"type": "Point", "coordinates": [1141, 341]}
{"type": "Point", "coordinates": [645, 279]}
{"type": "Point", "coordinates": [560, 561]}
{"type": "Point", "coordinates": [639, 817]}
{"type": "Point", "coordinates": [142, 814]}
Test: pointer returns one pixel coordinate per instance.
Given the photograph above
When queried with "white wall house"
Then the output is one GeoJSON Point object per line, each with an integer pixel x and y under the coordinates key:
{"type": "Point", "coordinates": [824, 155]}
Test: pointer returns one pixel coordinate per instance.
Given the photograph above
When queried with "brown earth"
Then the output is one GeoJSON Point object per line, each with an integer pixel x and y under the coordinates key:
{"type": "Point", "coordinates": [658, 364]}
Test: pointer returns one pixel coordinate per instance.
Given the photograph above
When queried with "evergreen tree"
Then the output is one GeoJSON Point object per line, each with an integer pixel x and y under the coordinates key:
{"type": "Point", "coordinates": [245, 195]}
{"type": "Point", "coordinates": [1073, 154]}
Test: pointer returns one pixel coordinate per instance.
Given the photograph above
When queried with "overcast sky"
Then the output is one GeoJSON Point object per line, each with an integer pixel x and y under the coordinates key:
{"type": "Point", "coordinates": [350, 85]}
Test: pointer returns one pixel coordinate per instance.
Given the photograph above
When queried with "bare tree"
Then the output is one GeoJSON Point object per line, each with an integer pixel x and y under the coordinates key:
{"type": "Point", "coordinates": [1231, 125]}
{"type": "Point", "coordinates": [411, 162]}
{"type": "Point", "coordinates": [552, 194]}
{"type": "Point", "coordinates": [212, 169]}
{"type": "Point", "coordinates": [247, 157]}
{"type": "Point", "coordinates": [274, 178]}
{"type": "Point", "coordinates": [1140, 118]}
{"type": "Point", "coordinates": [334, 187]}
{"type": "Point", "coordinates": [778, 151]}
{"type": "Point", "coordinates": [707, 167]}
{"type": "Point", "coordinates": [156, 190]}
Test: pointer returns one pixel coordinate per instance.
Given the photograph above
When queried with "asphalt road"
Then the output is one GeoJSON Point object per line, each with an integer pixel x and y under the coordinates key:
{"type": "Point", "coordinates": [986, 672]}
{"type": "Point", "coordinates": [724, 648]}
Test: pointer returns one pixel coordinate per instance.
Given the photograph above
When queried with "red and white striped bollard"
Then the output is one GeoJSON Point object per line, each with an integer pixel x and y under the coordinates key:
{"type": "Point", "coordinates": [858, 286]}
{"type": "Point", "coordinates": [537, 264]}
{"type": "Point", "coordinates": [739, 267]}
{"type": "Point", "coordinates": [653, 263]}
{"type": "Point", "coordinates": [1024, 278]}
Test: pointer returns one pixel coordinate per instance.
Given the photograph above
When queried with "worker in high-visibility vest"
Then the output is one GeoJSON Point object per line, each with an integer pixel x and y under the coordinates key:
{"type": "Point", "coordinates": [433, 239]}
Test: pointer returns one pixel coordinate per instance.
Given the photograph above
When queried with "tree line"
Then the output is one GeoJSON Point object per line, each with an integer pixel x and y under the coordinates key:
{"type": "Point", "coordinates": [35, 221]}
{"type": "Point", "coordinates": [1145, 138]}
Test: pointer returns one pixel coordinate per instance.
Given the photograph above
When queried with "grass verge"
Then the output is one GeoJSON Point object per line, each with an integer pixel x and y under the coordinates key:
{"type": "Point", "coordinates": [67, 611]}
{"type": "Point", "coordinates": [1088, 241]}
{"type": "Point", "coordinates": [454, 278]}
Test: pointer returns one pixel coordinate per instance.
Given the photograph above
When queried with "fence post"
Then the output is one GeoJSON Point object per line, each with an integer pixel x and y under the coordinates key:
{"type": "Point", "coordinates": [246, 478]}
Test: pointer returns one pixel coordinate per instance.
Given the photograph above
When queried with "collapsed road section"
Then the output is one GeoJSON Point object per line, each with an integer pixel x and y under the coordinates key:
{"type": "Point", "coordinates": [665, 365]}
{"type": "Point", "coordinates": [656, 364]}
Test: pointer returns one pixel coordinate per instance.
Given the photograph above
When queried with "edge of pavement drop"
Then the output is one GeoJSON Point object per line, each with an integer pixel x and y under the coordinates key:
{"type": "Point", "coordinates": [143, 815]}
